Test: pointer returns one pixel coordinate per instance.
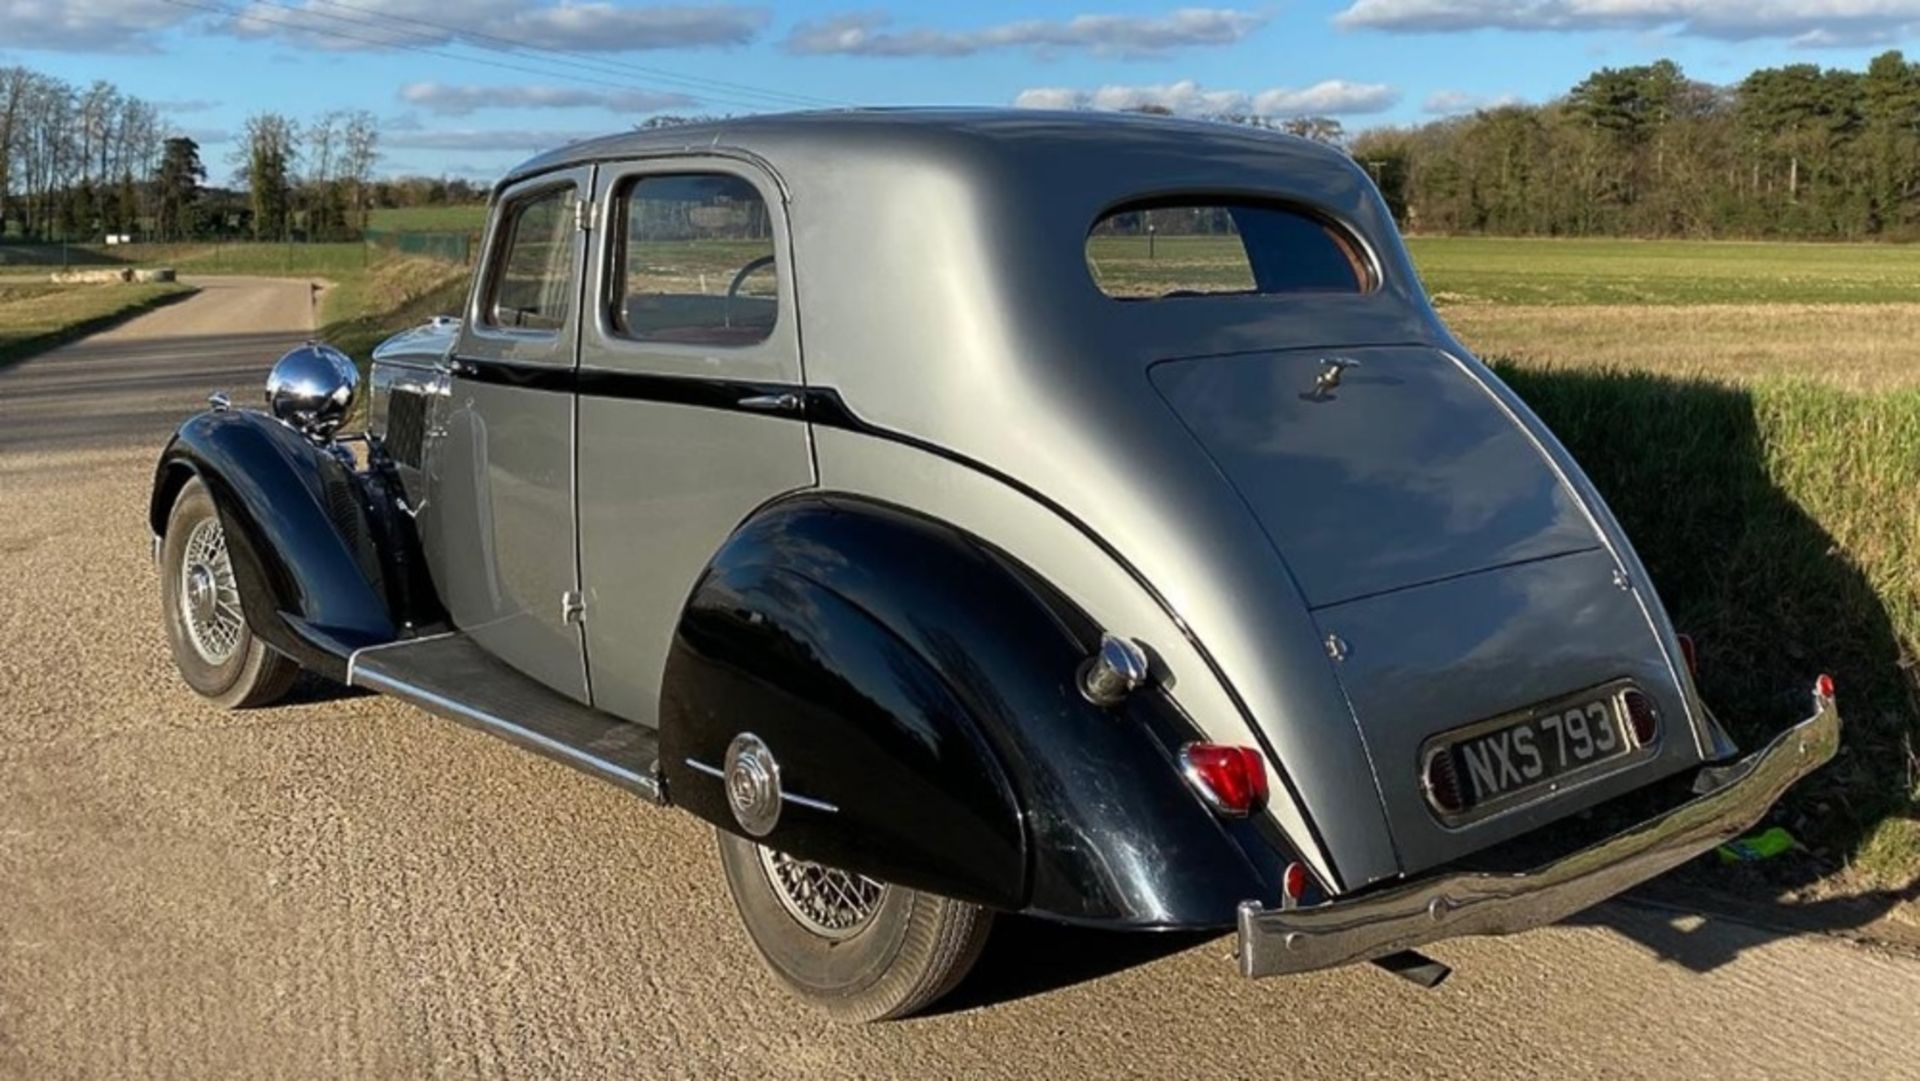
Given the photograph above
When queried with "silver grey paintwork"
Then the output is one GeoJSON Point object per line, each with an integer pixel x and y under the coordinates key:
{"type": "Point", "coordinates": [662, 485]}
{"type": "Point", "coordinates": [932, 272]}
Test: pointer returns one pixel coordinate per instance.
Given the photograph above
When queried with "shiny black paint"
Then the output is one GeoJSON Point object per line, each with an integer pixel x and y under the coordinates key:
{"type": "Point", "coordinates": [922, 682]}
{"type": "Point", "coordinates": [825, 406]}
{"type": "Point", "coordinates": [728, 394]}
{"type": "Point", "coordinates": [324, 564]}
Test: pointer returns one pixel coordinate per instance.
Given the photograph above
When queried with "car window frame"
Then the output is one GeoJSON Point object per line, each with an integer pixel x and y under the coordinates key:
{"type": "Point", "coordinates": [1352, 242]}
{"type": "Point", "coordinates": [505, 219]}
{"type": "Point", "coordinates": [776, 359]}
{"type": "Point", "coordinates": [619, 240]}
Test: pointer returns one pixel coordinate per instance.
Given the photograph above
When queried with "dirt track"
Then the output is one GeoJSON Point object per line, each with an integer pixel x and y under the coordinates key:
{"type": "Point", "coordinates": [347, 887]}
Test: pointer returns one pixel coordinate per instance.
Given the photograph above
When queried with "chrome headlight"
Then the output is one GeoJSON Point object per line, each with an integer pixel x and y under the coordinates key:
{"type": "Point", "coordinates": [312, 390]}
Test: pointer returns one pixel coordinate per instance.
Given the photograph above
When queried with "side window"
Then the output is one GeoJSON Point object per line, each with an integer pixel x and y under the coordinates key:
{"type": "Point", "coordinates": [696, 263]}
{"type": "Point", "coordinates": [533, 277]}
{"type": "Point", "coordinates": [1179, 248]}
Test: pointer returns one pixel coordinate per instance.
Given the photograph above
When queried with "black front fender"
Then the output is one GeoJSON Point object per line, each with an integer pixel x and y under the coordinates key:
{"type": "Point", "coordinates": [917, 688]}
{"type": "Point", "coordinates": [307, 551]}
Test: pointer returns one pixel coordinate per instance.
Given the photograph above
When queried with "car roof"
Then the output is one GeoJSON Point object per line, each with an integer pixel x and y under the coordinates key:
{"type": "Point", "coordinates": [902, 136]}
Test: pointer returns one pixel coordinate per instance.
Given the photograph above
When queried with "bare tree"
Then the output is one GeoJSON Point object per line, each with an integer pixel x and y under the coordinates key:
{"type": "Point", "coordinates": [266, 155]}
{"type": "Point", "coordinates": [359, 152]}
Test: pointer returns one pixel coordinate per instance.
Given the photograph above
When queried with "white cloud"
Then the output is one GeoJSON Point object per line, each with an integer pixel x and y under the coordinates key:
{"type": "Point", "coordinates": [1801, 22]}
{"type": "Point", "coordinates": [1335, 97]}
{"type": "Point", "coordinates": [87, 25]}
{"type": "Point", "coordinates": [1113, 35]}
{"type": "Point", "coordinates": [589, 27]}
{"type": "Point", "coordinates": [448, 100]}
{"type": "Point", "coordinates": [1456, 102]}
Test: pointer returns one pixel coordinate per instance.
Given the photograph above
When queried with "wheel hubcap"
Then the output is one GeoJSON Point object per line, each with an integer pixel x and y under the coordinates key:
{"type": "Point", "coordinates": [825, 900]}
{"type": "Point", "coordinates": [209, 599]}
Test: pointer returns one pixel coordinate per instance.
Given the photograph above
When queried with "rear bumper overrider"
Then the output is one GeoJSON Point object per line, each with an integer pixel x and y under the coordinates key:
{"type": "Point", "coordinates": [1733, 797]}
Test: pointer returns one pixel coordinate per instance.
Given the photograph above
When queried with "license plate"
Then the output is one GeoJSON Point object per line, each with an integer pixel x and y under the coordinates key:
{"type": "Point", "coordinates": [1550, 744]}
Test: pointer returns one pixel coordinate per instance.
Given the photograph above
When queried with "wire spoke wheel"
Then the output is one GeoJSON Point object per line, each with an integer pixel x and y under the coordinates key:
{"type": "Point", "coordinates": [825, 900]}
{"type": "Point", "coordinates": [209, 597]}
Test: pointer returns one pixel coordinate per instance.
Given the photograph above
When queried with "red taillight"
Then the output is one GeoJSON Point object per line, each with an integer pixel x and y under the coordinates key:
{"type": "Point", "coordinates": [1641, 717]}
{"type": "Point", "coordinates": [1441, 779]}
{"type": "Point", "coordinates": [1233, 780]}
{"type": "Point", "coordinates": [1293, 882]}
{"type": "Point", "coordinates": [1689, 653]}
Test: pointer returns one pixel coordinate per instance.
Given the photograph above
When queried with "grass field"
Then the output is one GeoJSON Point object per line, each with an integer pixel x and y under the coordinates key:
{"type": "Point", "coordinates": [36, 317]}
{"type": "Point", "coordinates": [1490, 270]}
{"type": "Point", "coordinates": [1461, 270]}
{"type": "Point", "coordinates": [431, 219]}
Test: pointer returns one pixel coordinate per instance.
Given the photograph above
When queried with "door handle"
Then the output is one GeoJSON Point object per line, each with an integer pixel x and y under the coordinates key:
{"type": "Point", "coordinates": [788, 402]}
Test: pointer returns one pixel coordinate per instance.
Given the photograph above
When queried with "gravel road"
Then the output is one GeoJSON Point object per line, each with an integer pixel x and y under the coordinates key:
{"type": "Point", "coordinates": [347, 887]}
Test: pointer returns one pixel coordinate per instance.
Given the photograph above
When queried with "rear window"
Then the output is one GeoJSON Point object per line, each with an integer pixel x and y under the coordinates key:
{"type": "Point", "coordinates": [1164, 249]}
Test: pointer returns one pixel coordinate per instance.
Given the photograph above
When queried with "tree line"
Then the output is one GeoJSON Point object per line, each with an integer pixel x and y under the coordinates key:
{"type": "Point", "coordinates": [79, 163]}
{"type": "Point", "coordinates": [1791, 152]}
{"type": "Point", "coordinates": [72, 159]}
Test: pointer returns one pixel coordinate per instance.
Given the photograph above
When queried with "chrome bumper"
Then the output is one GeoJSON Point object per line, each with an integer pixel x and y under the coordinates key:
{"type": "Point", "coordinates": [1277, 941]}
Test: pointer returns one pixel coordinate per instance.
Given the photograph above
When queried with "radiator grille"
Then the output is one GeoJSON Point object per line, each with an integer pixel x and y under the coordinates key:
{"type": "Point", "coordinates": [406, 426]}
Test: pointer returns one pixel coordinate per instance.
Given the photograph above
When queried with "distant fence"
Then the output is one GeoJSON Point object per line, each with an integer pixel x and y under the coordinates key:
{"type": "Point", "coordinates": [446, 247]}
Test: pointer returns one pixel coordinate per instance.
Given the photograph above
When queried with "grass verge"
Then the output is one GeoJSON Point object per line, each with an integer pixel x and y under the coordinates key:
{"type": "Point", "coordinates": [35, 318]}
{"type": "Point", "coordinates": [364, 309]}
{"type": "Point", "coordinates": [1781, 524]}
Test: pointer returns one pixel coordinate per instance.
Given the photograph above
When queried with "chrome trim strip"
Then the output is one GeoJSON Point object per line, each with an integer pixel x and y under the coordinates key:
{"type": "Point", "coordinates": [800, 801]}
{"type": "Point", "coordinates": [1277, 941]}
{"type": "Point", "coordinates": [353, 658]}
{"type": "Point", "coordinates": [461, 712]}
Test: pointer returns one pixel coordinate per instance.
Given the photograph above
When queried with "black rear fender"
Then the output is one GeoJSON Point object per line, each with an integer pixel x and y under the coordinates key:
{"type": "Point", "coordinates": [917, 688]}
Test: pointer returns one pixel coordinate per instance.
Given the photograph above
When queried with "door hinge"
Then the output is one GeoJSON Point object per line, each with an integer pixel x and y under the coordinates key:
{"type": "Point", "coordinates": [573, 607]}
{"type": "Point", "coordinates": [583, 215]}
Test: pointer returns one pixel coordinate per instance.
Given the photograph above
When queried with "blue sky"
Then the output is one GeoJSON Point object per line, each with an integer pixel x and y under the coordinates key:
{"type": "Point", "coordinates": [582, 67]}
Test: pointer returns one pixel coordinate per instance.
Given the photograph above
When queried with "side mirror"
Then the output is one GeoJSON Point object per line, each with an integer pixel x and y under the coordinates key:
{"type": "Point", "coordinates": [311, 389]}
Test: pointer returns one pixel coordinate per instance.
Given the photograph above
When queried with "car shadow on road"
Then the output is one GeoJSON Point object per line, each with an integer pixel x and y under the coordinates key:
{"type": "Point", "coordinates": [1693, 471]}
{"type": "Point", "coordinates": [311, 689]}
{"type": "Point", "coordinates": [1702, 929]}
{"type": "Point", "coordinates": [1026, 956]}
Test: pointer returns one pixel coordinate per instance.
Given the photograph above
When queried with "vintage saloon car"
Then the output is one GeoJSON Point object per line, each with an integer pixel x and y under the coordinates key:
{"type": "Point", "coordinates": [969, 512]}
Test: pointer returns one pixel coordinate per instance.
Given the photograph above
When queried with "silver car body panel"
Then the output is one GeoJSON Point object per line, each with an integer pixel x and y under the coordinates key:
{"type": "Point", "coordinates": [498, 529]}
{"type": "Point", "coordinates": [662, 484]}
{"type": "Point", "coordinates": [1409, 473]}
{"type": "Point", "coordinates": [943, 295]}
{"type": "Point", "coordinates": [1039, 537]}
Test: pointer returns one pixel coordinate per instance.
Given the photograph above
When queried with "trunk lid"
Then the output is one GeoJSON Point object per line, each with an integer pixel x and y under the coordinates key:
{"type": "Point", "coordinates": [1403, 471]}
{"type": "Point", "coordinates": [1506, 644]}
{"type": "Point", "coordinates": [1436, 545]}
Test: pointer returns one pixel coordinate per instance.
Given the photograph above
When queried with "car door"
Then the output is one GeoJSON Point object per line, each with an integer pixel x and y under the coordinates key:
{"type": "Point", "coordinates": [690, 401]}
{"type": "Point", "coordinates": [499, 523]}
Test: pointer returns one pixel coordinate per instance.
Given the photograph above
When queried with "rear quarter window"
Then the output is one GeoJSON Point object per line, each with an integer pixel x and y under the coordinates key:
{"type": "Point", "coordinates": [1168, 249]}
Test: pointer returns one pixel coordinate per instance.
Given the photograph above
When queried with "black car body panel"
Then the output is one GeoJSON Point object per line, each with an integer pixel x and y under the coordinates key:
{"type": "Point", "coordinates": [921, 684]}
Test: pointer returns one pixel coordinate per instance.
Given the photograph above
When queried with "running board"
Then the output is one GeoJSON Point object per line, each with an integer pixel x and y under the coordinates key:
{"type": "Point", "coordinates": [449, 675]}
